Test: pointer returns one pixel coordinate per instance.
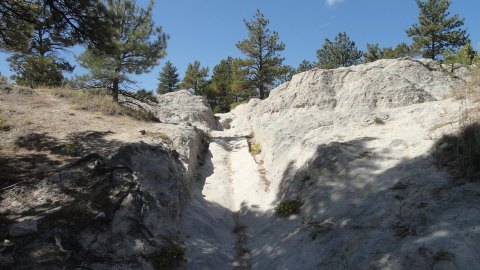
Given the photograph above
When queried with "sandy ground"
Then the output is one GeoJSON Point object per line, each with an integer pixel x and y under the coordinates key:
{"type": "Point", "coordinates": [231, 184]}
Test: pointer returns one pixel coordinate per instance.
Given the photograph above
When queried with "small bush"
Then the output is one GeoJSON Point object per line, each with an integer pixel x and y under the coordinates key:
{"type": "Point", "coordinates": [255, 149]}
{"type": "Point", "coordinates": [168, 258]}
{"type": "Point", "coordinates": [72, 149]}
{"type": "Point", "coordinates": [378, 121]}
{"type": "Point", "coordinates": [287, 208]}
{"type": "Point", "coordinates": [3, 79]}
{"type": "Point", "coordinates": [4, 126]}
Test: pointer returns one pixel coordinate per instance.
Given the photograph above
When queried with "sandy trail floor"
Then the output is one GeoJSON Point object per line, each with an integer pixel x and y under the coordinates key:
{"type": "Point", "coordinates": [231, 182]}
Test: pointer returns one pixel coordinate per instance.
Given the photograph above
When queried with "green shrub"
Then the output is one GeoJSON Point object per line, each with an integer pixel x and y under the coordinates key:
{"type": "Point", "coordinates": [255, 148]}
{"type": "Point", "coordinates": [287, 208]}
{"type": "Point", "coordinates": [168, 258]}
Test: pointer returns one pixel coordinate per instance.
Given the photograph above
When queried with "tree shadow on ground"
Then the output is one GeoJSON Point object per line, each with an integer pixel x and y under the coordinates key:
{"type": "Point", "coordinates": [45, 154]}
{"type": "Point", "coordinates": [80, 187]}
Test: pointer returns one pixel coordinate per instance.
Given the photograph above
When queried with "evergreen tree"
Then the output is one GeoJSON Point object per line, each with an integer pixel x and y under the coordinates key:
{"type": "Point", "coordinates": [168, 79]}
{"type": "Point", "coordinates": [195, 78]}
{"type": "Point", "coordinates": [403, 50]}
{"type": "Point", "coordinates": [288, 73]}
{"type": "Point", "coordinates": [137, 45]}
{"type": "Point", "coordinates": [35, 70]}
{"type": "Point", "coordinates": [84, 21]}
{"type": "Point", "coordinates": [305, 65]}
{"type": "Point", "coordinates": [222, 81]}
{"type": "Point", "coordinates": [263, 62]}
{"type": "Point", "coordinates": [342, 52]}
{"type": "Point", "coordinates": [466, 56]}
{"type": "Point", "coordinates": [40, 55]}
{"type": "Point", "coordinates": [374, 52]}
{"type": "Point", "coordinates": [437, 32]}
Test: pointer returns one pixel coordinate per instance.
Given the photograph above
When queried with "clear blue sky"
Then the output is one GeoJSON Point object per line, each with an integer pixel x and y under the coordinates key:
{"type": "Point", "coordinates": [208, 30]}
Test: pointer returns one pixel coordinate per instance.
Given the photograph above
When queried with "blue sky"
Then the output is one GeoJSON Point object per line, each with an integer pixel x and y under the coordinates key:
{"type": "Point", "coordinates": [208, 30]}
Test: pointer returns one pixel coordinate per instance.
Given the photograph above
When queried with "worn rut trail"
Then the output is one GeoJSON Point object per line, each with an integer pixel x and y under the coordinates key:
{"type": "Point", "coordinates": [215, 219]}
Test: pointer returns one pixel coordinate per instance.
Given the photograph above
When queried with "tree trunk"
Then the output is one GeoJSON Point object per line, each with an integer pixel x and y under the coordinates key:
{"type": "Point", "coordinates": [115, 90]}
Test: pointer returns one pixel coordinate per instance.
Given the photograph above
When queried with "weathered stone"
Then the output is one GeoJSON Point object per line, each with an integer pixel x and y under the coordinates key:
{"type": "Point", "coordinates": [178, 107]}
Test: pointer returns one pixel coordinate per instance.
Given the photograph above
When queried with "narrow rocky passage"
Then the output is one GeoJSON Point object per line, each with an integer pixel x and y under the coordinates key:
{"type": "Point", "coordinates": [230, 181]}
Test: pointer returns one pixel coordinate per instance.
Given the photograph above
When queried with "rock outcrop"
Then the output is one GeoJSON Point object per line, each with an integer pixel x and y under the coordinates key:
{"type": "Point", "coordinates": [178, 107]}
{"type": "Point", "coordinates": [353, 144]}
{"type": "Point", "coordinates": [106, 194]}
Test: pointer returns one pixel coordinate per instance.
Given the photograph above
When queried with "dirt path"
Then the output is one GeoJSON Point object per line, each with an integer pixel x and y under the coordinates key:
{"type": "Point", "coordinates": [231, 181]}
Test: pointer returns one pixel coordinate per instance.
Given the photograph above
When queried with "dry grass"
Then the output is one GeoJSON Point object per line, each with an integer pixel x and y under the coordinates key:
{"type": "Point", "coordinates": [100, 101]}
{"type": "Point", "coordinates": [470, 90]}
{"type": "Point", "coordinates": [5, 125]}
{"type": "Point", "coordinates": [461, 151]}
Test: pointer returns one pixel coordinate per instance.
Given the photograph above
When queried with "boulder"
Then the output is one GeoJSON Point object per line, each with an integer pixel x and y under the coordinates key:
{"type": "Point", "coordinates": [178, 107]}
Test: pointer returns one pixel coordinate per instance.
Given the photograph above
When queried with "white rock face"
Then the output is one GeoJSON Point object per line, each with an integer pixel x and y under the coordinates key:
{"type": "Point", "coordinates": [184, 107]}
{"type": "Point", "coordinates": [179, 107]}
{"type": "Point", "coordinates": [354, 145]}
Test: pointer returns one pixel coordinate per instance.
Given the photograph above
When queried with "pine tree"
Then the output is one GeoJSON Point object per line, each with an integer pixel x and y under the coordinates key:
{"type": "Point", "coordinates": [39, 57]}
{"type": "Point", "coordinates": [168, 79]}
{"type": "Point", "coordinates": [437, 32]}
{"type": "Point", "coordinates": [137, 46]}
{"type": "Point", "coordinates": [35, 70]}
{"type": "Point", "coordinates": [466, 56]}
{"type": "Point", "coordinates": [84, 21]}
{"type": "Point", "coordinates": [263, 62]}
{"type": "Point", "coordinates": [403, 50]}
{"type": "Point", "coordinates": [374, 52]}
{"type": "Point", "coordinates": [342, 52]}
{"type": "Point", "coordinates": [305, 65]}
{"type": "Point", "coordinates": [195, 78]}
{"type": "Point", "coordinates": [222, 80]}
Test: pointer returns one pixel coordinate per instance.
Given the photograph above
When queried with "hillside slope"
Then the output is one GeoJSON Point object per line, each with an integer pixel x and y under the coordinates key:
{"type": "Point", "coordinates": [87, 189]}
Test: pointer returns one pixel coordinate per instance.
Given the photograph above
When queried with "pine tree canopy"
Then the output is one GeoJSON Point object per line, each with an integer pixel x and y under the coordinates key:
{"type": "Point", "coordinates": [168, 79]}
{"type": "Point", "coordinates": [136, 47]}
{"type": "Point", "coordinates": [437, 31]}
{"type": "Point", "coordinates": [83, 21]}
{"type": "Point", "coordinates": [342, 52]}
{"type": "Point", "coordinates": [374, 52]}
{"type": "Point", "coordinates": [263, 62]}
{"type": "Point", "coordinates": [195, 78]}
{"type": "Point", "coordinates": [305, 65]}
